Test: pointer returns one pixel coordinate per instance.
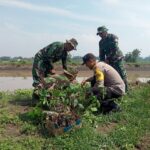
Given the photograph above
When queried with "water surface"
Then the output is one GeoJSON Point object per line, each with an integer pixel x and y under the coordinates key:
{"type": "Point", "coordinates": [13, 83]}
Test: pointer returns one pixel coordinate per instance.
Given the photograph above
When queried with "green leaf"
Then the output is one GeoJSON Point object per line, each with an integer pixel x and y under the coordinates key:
{"type": "Point", "coordinates": [93, 109]}
{"type": "Point", "coordinates": [75, 103]}
{"type": "Point", "coordinates": [80, 106]}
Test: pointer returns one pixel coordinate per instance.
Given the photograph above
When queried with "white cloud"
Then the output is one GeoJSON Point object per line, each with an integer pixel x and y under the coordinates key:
{"type": "Point", "coordinates": [87, 43]}
{"type": "Point", "coordinates": [14, 41]}
{"type": "Point", "coordinates": [111, 2]}
{"type": "Point", "coordinates": [29, 6]}
{"type": "Point", "coordinates": [128, 22]}
{"type": "Point", "coordinates": [48, 9]}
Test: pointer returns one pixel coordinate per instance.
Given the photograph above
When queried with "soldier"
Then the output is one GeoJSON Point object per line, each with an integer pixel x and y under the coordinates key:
{"type": "Point", "coordinates": [110, 52]}
{"type": "Point", "coordinates": [44, 59]}
{"type": "Point", "coordinates": [106, 83]}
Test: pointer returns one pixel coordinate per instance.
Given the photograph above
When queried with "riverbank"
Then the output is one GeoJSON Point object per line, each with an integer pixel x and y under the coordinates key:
{"type": "Point", "coordinates": [133, 71]}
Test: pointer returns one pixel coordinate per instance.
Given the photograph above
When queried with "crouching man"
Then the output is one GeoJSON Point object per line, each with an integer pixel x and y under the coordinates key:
{"type": "Point", "coordinates": [106, 83]}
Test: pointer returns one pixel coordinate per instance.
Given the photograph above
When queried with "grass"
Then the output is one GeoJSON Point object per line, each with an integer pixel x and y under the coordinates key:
{"type": "Point", "coordinates": [15, 62]}
{"type": "Point", "coordinates": [125, 130]}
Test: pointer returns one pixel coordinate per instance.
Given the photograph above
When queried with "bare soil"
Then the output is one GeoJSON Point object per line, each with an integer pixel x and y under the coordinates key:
{"type": "Point", "coordinates": [15, 108]}
{"type": "Point", "coordinates": [12, 130]}
{"type": "Point", "coordinates": [144, 143]}
{"type": "Point", "coordinates": [107, 128]}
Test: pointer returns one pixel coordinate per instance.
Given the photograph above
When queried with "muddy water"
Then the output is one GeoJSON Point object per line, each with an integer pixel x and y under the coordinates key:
{"type": "Point", "coordinates": [13, 83]}
{"type": "Point", "coordinates": [143, 80]}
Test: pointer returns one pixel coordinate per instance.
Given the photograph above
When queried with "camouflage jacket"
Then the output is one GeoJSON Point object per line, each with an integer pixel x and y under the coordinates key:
{"type": "Point", "coordinates": [57, 81]}
{"type": "Point", "coordinates": [108, 49]}
{"type": "Point", "coordinates": [52, 53]}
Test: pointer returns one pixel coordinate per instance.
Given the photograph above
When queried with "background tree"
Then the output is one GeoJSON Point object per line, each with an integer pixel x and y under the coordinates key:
{"type": "Point", "coordinates": [5, 58]}
{"type": "Point", "coordinates": [132, 56]}
{"type": "Point", "coordinates": [135, 54]}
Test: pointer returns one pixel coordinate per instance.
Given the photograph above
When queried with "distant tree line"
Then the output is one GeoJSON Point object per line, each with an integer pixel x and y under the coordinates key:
{"type": "Point", "coordinates": [19, 58]}
{"type": "Point", "coordinates": [132, 57]}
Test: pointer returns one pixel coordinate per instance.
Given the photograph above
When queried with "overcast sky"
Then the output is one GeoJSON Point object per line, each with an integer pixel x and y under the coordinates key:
{"type": "Point", "coordinates": [26, 26]}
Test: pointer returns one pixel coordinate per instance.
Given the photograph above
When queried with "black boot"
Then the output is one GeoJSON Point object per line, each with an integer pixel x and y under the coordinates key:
{"type": "Point", "coordinates": [109, 106]}
{"type": "Point", "coordinates": [114, 107]}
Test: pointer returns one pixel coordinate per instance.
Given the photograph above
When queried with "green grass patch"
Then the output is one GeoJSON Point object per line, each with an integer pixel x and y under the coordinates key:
{"type": "Point", "coordinates": [122, 130]}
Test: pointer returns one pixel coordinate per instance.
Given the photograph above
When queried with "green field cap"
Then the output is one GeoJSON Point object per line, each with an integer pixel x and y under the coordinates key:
{"type": "Point", "coordinates": [101, 29]}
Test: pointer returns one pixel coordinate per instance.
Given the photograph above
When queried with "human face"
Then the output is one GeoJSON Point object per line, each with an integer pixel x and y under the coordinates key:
{"type": "Point", "coordinates": [90, 64]}
{"type": "Point", "coordinates": [103, 34]}
{"type": "Point", "coordinates": [69, 47]}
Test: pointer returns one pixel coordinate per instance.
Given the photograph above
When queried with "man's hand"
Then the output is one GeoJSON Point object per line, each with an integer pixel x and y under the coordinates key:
{"type": "Point", "coordinates": [52, 71]}
{"type": "Point", "coordinates": [83, 83]}
{"type": "Point", "coordinates": [40, 85]}
{"type": "Point", "coordinates": [74, 81]}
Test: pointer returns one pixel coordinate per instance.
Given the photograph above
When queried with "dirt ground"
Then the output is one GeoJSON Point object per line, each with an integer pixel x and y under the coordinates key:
{"type": "Point", "coordinates": [26, 70]}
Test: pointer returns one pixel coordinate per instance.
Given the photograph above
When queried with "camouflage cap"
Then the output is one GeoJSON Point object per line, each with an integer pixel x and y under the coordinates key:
{"type": "Point", "coordinates": [101, 29]}
{"type": "Point", "coordinates": [87, 57]}
{"type": "Point", "coordinates": [73, 42]}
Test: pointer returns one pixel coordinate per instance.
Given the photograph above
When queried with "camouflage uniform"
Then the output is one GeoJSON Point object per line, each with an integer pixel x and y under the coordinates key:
{"type": "Point", "coordinates": [44, 59]}
{"type": "Point", "coordinates": [110, 53]}
{"type": "Point", "coordinates": [61, 81]}
{"type": "Point", "coordinates": [56, 82]}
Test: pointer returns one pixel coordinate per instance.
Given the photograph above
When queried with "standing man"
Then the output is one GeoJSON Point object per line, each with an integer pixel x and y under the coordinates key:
{"type": "Point", "coordinates": [106, 83]}
{"type": "Point", "coordinates": [44, 59]}
{"type": "Point", "coordinates": [110, 53]}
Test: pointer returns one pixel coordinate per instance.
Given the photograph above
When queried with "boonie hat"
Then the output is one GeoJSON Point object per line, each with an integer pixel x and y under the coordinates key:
{"type": "Point", "coordinates": [73, 42]}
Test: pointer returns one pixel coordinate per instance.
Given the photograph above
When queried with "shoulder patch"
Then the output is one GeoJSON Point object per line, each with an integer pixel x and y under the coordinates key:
{"type": "Point", "coordinates": [99, 75]}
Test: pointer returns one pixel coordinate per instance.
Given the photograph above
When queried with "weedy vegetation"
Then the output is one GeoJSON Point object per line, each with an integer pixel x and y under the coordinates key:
{"type": "Point", "coordinates": [22, 125]}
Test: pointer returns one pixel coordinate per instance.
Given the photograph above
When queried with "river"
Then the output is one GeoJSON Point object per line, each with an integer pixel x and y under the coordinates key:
{"type": "Point", "coordinates": [13, 83]}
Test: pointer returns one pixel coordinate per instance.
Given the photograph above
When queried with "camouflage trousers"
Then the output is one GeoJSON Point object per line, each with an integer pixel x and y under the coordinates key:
{"type": "Point", "coordinates": [119, 67]}
{"type": "Point", "coordinates": [40, 69]}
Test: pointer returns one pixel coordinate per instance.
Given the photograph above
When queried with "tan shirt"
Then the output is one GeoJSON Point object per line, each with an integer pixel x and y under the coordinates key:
{"type": "Point", "coordinates": [109, 77]}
